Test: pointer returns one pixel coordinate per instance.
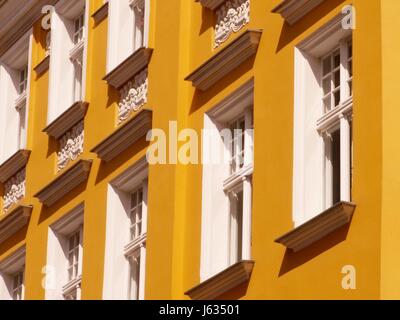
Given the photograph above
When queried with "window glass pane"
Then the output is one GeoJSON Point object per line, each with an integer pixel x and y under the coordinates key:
{"type": "Point", "coordinates": [326, 65]}
{"type": "Point", "coordinates": [337, 78]}
{"type": "Point", "coordinates": [326, 84]}
{"type": "Point", "coordinates": [336, 59]}
{"type": "Point", "coordinates": [337, 98]}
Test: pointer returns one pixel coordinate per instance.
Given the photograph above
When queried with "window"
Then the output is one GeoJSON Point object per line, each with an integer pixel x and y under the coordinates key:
{"type": "Point", "coordinates": [128, 29]}
{"type": "Point", "coordinates": [73, 255]}
{"type": "Point", "coordinates": [64, 257]}
{"type": "Point", "coordinates": [227, 182]}
{"type": "Point", "coordinates": [12, 280]}
{"type": "Point", "coordinates": [79, 29]}
{"type": "Point", "coordinates": [18, 286]}
{"type": "Point", "coordinates": [23, 80]}
{"type": "Point", "coordinates": [125, 258]}
{"type": "Point", "coordinates": [323, 121]}
{"type": "Point", "coordinates": [14, 100]}
{"type": "Point", "coordinates": [69, 51]}
{"type": "Point", "coordinates": [71, 290]}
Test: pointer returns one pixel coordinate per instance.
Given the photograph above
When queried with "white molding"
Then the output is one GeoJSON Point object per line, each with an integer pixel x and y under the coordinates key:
{"type": "Point", "coordinates": [14, 164]}
{"type": "Point", "coordinates": [238, 177]}
{"type": "Point", "coordinates": [234, 103]}
{"type": "Point", "coordinates": [124, 137]}
{"type": "Point", "coordinates": [14, 221]}
{"type": "Point", "coordinates": [293, 10]}
{"type": "Point", "coordinates": [69, 221]}
{"type": "Point", "coordinates": [129, 68]}
{"type": "Point", "coordinates": [64, 183]}
{"type": "Point", "coordinates": [13, 262]}
{"type": "Point", "coordinates": [132, 176]}
{"type": "Point", "coordinates": [134, 245]}
{"type": "Point", "coordinates": [232, 16]}
{"type": "Point", "coordinates": [222, 282]}
{"type": "Point", "coordinates": [226, 60]}
{"type": "Point", "coordinates": [320, 226]}
{"type": "Point", "coordinates": [67, 120]}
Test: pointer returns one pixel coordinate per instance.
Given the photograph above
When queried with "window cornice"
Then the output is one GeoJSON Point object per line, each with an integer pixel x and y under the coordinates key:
{"type": "Point", "coordinates": [222, 282]}
{"type": "Point", "coordinates": [211, 4]}
{"type": "Point", "coordinates": [14, 164]}
{"type": "Point", "coordinates": [65, 183]}
{"type": "Point", "coordinates": [14, 221]}
{"type": "Point", "coordinates": [318, 227]}
{"type": "Point", "coordinates": [293, 10]}
{"type": "Point", "coordinates": [226, 60]}
{"type": "Point", "coordinates": [125, 136]}
{"type": "Point", "coordinates": [67, 120]}
{"type": "Point", "coordinates": [125, 71]}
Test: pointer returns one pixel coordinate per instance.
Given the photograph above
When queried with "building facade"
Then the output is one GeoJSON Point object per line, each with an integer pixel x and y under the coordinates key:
{"type": "Point", "coordinates": [199, 149]}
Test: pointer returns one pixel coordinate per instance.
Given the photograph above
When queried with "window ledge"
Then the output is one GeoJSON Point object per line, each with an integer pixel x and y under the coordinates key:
{"type": "Point", "coordinates": [222, 282]}
{"type": "Point", "coordinates": [71, 286]}
{"type": "Point", "coordinates": [318, 227]}
{"type": "Point", "coordinates": [226, 60]}
{"type": "Point", "coordinates": [14, 221]}
{"type": "Point", "coordinates": [66, 182]}
{"type": "Point", "coordinates": [293, 10]}
{"type": "Point", "coordinates": [101, 13]}
{"type": "Point", "coordinates": [211, 4]}
{"type": "Point", "coordinates": [129, 68]}
{"type": "Point", "coordinates": [14, 164]}
{"type": "Point", "coordinates": [67, 120]}
{"type": "Point", "coordinates": [130, 248]}
{"type": "Point", "coordinates": [42, 66]}
{"type": "Point", "coordinates": [77, 50]}
{"type": "Point", "coordinates": [125, 136]}
{"type": "Point", "coordinates": [20, 102]}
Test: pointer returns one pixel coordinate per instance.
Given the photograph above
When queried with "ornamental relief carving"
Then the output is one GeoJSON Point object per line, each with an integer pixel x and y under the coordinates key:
{"type": "Point", "coordinates": [232, 16]}
{"type": "Point", "coordinates": [71, 146]}
{"type": "Point", "coordinates": [14, 190]}
{"type": "Point", "coordinates": [133, 96]}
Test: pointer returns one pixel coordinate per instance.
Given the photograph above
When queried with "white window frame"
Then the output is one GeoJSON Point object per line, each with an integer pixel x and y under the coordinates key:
{"type": "Point", "coordinates": [68, 60]}
{"type": "Point", "coordinates": [14, 105]}
{"type": "Point", "coordinates": [59, 286]}
{"type": "Point", "coordinates": [219, 243]}
{"type": "Point", "coordinates": [121, 31]}
{"type": "Point", "coordinates": [313, 124]}
{"type": "Point", "coordinates": [11, 266]}
{"type": "Point", "coordinates": [121, 249]}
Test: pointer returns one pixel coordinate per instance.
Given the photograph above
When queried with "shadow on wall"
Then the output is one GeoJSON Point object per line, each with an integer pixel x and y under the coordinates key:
{"type": "Point", "coordinates": [289, 33]}
{"type": "Point", "coordinates": [208, 20]}
{"type": "Point", "coordinates": [292, 260]}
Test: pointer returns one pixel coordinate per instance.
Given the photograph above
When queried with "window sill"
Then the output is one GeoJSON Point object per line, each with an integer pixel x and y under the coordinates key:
{"type": "Point", "coordinates": [211, 4]}
{"type": "Point", "coordinates": [42, 66]}
{"type": "Point", "coordinates": [129, 68]}
{"type": "Point", "coordinates": [13, 165]}
{"type": "Point", "coordinates": [71, 286]}
{"type": "Point", "coordinates": [293, 10]}
{"type": "Point", "coordinates": [226, 60]}
{"type": "Point", "coordinates": [318, 227]}
{"type": "Point", "coordinates": [222, 282]}
{"type": "Point", "coordinates": [65, 183]}
{"type": "Point", "coordinates": [125, 136]}
{"type": "Point", "coordinates": [67, 120]}
{"type": "Point", "coordinates": [101, 13]}
{"type": "Point", "coordinates": [13, 221]}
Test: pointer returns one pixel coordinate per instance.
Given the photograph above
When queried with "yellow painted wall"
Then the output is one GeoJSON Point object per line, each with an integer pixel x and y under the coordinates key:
{"type": "Point", "coordinates": [181, 33]}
